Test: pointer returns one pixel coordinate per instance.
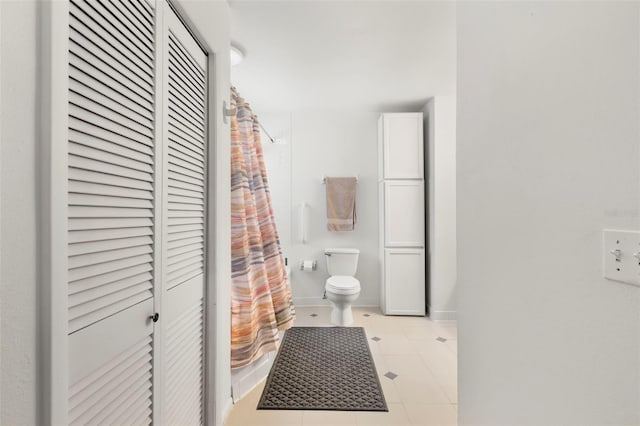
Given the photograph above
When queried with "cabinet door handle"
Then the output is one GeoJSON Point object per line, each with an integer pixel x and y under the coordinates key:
{"type": "Point", "coordinates": [155, 317]}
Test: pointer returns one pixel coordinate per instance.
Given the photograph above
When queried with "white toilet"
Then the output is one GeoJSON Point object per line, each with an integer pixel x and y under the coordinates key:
{"type": "Point", "coordinates": [342, 288]}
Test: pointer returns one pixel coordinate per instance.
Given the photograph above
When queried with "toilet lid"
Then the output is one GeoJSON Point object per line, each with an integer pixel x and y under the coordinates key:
{"type": "Point", "coordinates": [343, 284]}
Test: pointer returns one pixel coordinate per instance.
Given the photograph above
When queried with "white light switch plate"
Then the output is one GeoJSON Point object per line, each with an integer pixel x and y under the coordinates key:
{"type": "Point", "coordinates": [625, 267]}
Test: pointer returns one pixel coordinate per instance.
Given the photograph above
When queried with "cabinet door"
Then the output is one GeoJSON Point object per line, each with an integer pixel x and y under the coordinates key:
{"type": "Point", "coordinates": [404, 213]}
{"type": "Point", "coordinates": [403, 146]}
{"type": "Point", "coordinates": [404, 282]}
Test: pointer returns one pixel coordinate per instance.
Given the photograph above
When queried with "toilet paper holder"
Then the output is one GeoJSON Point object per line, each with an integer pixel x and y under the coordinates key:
{"type": "Point", "coordinates": [305, 264]}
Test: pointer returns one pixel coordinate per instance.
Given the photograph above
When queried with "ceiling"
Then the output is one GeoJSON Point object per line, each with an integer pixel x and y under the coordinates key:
{"type": "Point", "coordinates": [327, 55]}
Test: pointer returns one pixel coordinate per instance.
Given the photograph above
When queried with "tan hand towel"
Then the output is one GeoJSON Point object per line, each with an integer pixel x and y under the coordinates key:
{"type": "Point", "coordinates": [341, 203]}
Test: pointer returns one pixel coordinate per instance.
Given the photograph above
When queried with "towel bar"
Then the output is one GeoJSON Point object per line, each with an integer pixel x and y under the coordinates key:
{"type": "Point", "coordinates": [324, 178]}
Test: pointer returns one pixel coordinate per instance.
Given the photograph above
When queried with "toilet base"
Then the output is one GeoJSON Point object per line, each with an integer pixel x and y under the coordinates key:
{"type": "Point", "coordinates": [342, 317]}
{"type": "Point", "coordinates": [341, 314]}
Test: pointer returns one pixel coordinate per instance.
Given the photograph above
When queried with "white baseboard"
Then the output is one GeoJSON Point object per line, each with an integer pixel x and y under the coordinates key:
{"type": "Point", "coordinates": [310, 301]}
{"type": "Point", "coordinates": [225, 409]}
{"type": "Point", "coordinates": [442, 315]}
{"type": "Point", "coordinates": [314, 302]}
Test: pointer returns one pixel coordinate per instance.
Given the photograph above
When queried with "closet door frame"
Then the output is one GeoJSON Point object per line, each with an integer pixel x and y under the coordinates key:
{"type": "Point", "coordinates": [54, 113]}
{"type": "Point", "coordinates": [52, 263]}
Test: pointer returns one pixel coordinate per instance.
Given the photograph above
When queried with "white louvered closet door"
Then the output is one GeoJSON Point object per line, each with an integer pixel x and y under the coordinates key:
{"type": "Point", "coordinates": [136, 215]}
{"type": "Point", "coordinates": [111, 196]}
{"type": "Point", "coordinates": [184, 208]}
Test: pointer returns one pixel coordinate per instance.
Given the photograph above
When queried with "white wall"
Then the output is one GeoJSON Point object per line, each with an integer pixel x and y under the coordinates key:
{"type": "Point", "coordinates": [548, 150]}
{"type": "Point", "coordinates": [440, 136]}
{"type": "Point", "coordinates": [332, 143]}
{"type": "Point", "coordinates": [18, 279]}
{"type": "Point", "coordinates": [277, 158]}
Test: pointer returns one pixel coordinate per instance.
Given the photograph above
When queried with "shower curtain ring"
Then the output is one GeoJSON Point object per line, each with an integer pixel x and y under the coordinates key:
{"type": "Point", "coordinates": [227, 112]}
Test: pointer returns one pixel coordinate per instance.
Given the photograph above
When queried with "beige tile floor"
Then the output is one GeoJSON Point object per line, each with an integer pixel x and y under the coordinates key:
{"type": "Point", "coordinates": [424, 392]}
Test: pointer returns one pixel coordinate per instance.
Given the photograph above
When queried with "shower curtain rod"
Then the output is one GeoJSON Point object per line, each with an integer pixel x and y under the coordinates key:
{"type": "Point", "coordinates": [265, 132]}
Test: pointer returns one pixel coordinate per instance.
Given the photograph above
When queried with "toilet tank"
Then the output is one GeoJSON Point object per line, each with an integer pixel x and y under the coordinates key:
{"type": "Point", "coordinates": [342, 261]}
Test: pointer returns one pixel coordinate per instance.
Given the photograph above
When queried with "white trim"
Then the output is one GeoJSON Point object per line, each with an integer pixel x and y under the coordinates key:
{"type": "Point", "coordinates": [54, 21]}
{"type": "Point", "coordinates": [218, 334]}
{"type": "Point", "coordinates": [225, 406]}
{"type": "Point", "coordinates": [246, 378]}
{"type": "Point", "coordinates": [316, 302]}
{"type": "Point", "coordinates": [443, 315]}
{"type": "Point", "coordinates": [159, 206]}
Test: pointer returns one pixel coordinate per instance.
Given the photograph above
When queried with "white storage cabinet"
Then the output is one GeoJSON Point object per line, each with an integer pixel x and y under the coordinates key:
{"type": "Point", "coordinates": [402, 213]}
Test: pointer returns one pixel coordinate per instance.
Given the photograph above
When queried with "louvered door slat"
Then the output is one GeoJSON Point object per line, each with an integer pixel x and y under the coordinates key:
{"type": "Point", "coordinates": [136, 411]}
{"type": "Point", "coordinates": [111, 125]}
{"type": "Point", "coordinates": [128, 32]}
{"type": "Point", "coordinates": [107, 201]}
{"type": "Point", "coordinates": [181, 135]}
{"type": "Point", "coordinates": [84, 55]}
{"type": "Point", "coordinates": [85, 70]}
{"type": "Point", "coordinates": [102, 212]}
{"type": "Point", "coordinates": [186, 76]}
{"type": "Point", "coordinates": [177, 112]}
{"type": "Point", "coordinates": [119, 276]}
{"type": "Point", "coordinates": [197, 65]}
{"type": "Point", "coordinates": [106, 373]}
{"type": "Point", "coordinates": [176, 244]}
{"type": "Point", "coordinates": [187, 153]}
{"type": "Point", "coordinates": [184, 366]}
{"type": "Point", "coordinates": [103, 167]}
{"type": "Point", "coordinates": [180, 53]}
{"type": "Point", "coordinates": [115, 34]}
{"type": "Point", "coordinates": [137, 25]}
{"type": "Point", "coordinates": [94, 233]}
{"type": "Point", "coordinates": [128, 100]}
{"type": "Point", "coordinates": [96, 380]}
{"type": "Point", "coordinates": [79, 297]}
{"type": "Point", "coordinates": [184, 393]}
{"type": "Point", "coordinates": [137, 152]}
{"type": "Point", "coordinates": [106, 155]}
{"type": "Point", "coordinates": [145, 8]}
{"type": "Point", "coordinates": [179, 183]}
{"type": "Point", "coordinates": [111, 306]}
{"type": "Point", "coordinates": [185, 169]}
{"type": "Point", "coordinates": [184, 192]}
{"type": "Point", "coordinates": [185, 128]}
{"type": "Point", "coordinates": [79, 175]}
{"type": "Point", "coordinates": [111, 212]}
{"type": "Point", "coordinates": [89, 259]}
{"type": "Point", "coordinates": [183, 88]}
{"type": "Point", "coordinates": [178, 230]}
{"type": "Point", "coordinates": [103, 386]}
{"type": "Point", "coordinates": [132, 141]}
{"type": "Point", "coordinates": [142, 236]}
{"type": "Point", "coordinates": [80, 187]}
{"type": "Point", "coordinates": [184, 220]}
{"type": "Point", "coordinates": [187, 98]}
{"type": "Point", "coordinates": [116, 108]}
{"type": "Point", "coordinates": [176, 238]}
{"type": "Point", "coordinates": [90, 107]}
{"type": "Point", "coordinates": [188, 148]}
{"type": "Point", "coordinates": [184, 107]}
{"type": "Point", "coordinates": [89, 44]}
{"type": "Point", "coordinates": [106, 267]}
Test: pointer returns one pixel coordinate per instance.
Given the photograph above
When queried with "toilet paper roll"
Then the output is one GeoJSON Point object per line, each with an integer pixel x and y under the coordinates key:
{"type": "Point", "coordinates": [307, 265]}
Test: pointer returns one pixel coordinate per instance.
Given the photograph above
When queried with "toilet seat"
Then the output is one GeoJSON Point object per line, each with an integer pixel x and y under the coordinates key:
{"type": "Point", "coordinates": [343, 284]}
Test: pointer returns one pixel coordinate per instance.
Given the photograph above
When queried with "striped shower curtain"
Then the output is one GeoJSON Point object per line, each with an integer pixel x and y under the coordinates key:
{"type": "Point", "coordinates": [261, 301]}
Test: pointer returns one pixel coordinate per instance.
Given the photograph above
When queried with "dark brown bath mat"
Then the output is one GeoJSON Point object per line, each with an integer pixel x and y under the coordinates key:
{"type": "Point", "coordinates": [323, 368]}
